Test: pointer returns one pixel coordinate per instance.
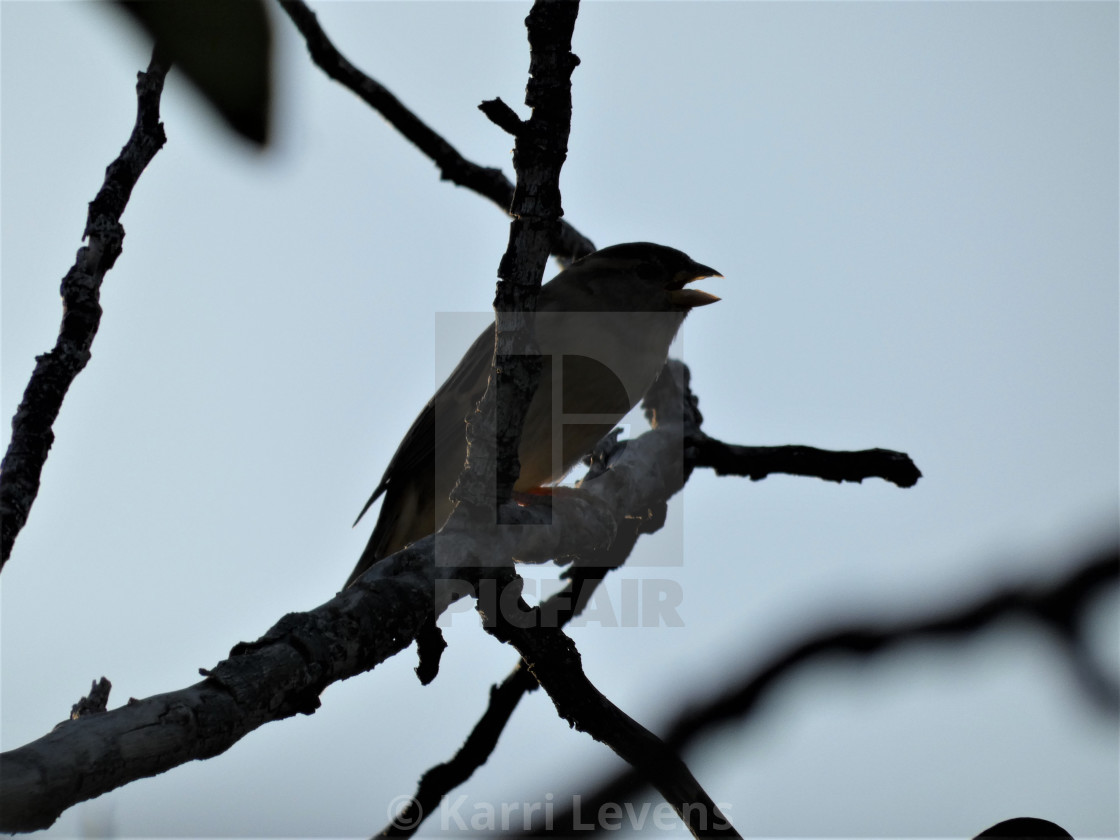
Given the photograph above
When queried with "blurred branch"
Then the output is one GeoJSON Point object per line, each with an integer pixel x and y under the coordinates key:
{"type": "Point", "coordinates": [32, 434]}
{"type": "Point", "coordinates": [1058, 606]}
{"type": "Point", "coordinates": [567, 243]}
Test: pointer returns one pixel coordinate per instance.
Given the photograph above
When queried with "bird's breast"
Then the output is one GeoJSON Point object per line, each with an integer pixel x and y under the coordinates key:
{"type": "Point", "coordinates": [597, 366]}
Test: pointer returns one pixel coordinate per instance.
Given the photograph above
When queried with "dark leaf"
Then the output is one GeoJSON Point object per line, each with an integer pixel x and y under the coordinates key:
{"type": "Point", "coordinates": [224, 47]}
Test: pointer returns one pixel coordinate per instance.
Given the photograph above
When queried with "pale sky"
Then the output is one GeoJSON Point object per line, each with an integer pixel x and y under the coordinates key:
{"type": "Point", "coordinates": [915, 209]}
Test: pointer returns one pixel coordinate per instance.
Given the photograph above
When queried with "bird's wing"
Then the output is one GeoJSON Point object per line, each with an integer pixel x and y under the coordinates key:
{"type": "Point", "coordinates": [426, 435]}
{"type": "Point", "coordinates": [408, 454]}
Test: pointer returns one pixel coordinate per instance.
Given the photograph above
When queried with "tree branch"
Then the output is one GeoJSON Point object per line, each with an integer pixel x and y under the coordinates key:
{"type": "Point", "coordinates": [283, 673]}
{"type": "Point", "coordinates": [550, 655]}
{"type": "Point", "coordinates": [554, 661]}
{"type": "Point", "coordinates": [672, 408]}
{"type": "Point", "coordinates": [584, 577]}
{"type": "Point", "coordinates": [32, 435]}
{"type": "Point", "coordinates": [494, 431]}
{"type": "Point", "coordinates": [1058, 607]}
{"type": "Point", "coordinates": [279, 675]}
{"type": "Point", "coordinates": [757, 462]}
{"type": "Point", "coordinates": [567, 243]}
{"type": "Point", "coordinates": [442, 778]}
{"type": "Point", "coordinates": [503, 116]}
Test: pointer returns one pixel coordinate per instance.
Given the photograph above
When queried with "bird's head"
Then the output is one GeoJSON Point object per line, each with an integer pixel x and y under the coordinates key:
{"type": "Point", "coordinates": [641, 276]}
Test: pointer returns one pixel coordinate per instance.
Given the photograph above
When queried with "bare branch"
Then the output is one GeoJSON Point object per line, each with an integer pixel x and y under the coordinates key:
{"type": "Point", "coordinates": [276, 677]}
{"type": "Point", "coordinates": [503, 116]}
{"type": "Point", "coordinates": [584, 577]}
{"type": "Point", "coordinates": [283, 673]}
{"type": "Point", "coordinates": [672, 408]}
{"type": "Point", "coordinates": [757, 462]}
{"type": "Point", "coordinates": [442, 778]}
{"type": "Point", "coordinates": [494, 432]}
{"type": "Point", "coordinates": [567, 243]}
{"type": "Point", "coordinates": [552, 657]}
{"type": "Point", "coordinates": [32, 434]}
{"type": "Point", "coordinates": [1058, 607]}
{"type": "Point", "coordinates": [671, 392]}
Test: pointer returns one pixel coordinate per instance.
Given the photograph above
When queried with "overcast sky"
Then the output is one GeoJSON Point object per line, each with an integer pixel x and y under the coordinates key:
{"type": "Point", "coordinates": [915, 209]}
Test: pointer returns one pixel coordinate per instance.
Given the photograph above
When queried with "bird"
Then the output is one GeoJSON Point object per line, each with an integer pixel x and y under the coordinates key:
{"type": "Point", "coordinates": [604, 326]}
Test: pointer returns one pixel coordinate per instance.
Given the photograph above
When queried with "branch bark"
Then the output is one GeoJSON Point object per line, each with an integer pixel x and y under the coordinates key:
{"type": "Point", "coordinates": [494, 432]}
{"type": "Point", "coordinates": [584, 577]}
{"type": "Point", "coordinates": [32, 434]}
{"type": "Point", "coordinates": [757, 462]}
{"type": "Point", "coordinates": [553, 659]}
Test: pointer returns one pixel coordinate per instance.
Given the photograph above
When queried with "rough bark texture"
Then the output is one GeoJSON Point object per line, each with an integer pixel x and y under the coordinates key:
{"type": "Point", "coordinates": [32, 435]}
{"type": "Point", "coordinates": [539, 153]}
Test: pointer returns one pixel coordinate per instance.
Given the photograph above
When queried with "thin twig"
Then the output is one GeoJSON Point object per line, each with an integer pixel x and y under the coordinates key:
{"type": "Point", "coordinates": [567, 243]}
{"type": "Point", "coordinates": [480, 744]}
{"type": "Point", "coordinates": [556, 611]}
{"type": "Point", "coordinates": [552, 657]}
{"type": "Point", "coordinates": [679, 405]}
{"type": "Point", "coordinates": [32, 434]}
{"type": "Point", "coordinates": [757, 462]}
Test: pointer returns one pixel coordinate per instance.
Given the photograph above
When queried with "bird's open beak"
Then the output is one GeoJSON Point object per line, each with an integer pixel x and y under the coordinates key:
{"type": "Point", "coordinates": [692, 298]}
